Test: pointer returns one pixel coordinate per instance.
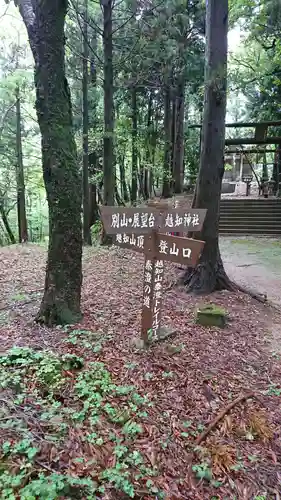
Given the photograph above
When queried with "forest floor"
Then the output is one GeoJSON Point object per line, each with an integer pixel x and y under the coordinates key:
{"type": "Point", "coordinates": [138, 431]}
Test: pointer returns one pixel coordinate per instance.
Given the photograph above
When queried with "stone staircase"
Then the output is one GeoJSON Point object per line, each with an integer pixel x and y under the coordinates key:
{"type": "Point", "coordinates": [250, 216]}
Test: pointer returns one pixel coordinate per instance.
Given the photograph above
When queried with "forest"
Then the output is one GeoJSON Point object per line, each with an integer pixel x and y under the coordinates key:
{"type": "Point", "coordinates": [130, 104]}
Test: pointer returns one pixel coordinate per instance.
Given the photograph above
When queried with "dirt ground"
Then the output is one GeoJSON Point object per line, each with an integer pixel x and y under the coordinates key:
{"type": "Point", "coordinates": [190, 378]}
{"type": "Point", "coordinates": [254, 262]}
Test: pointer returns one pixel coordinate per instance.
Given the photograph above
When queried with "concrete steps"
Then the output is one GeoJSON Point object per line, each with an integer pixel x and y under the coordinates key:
{"type": "Point", "coordinates": [250, 216]}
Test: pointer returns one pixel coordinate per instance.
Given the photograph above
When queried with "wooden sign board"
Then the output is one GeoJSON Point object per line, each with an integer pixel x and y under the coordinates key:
{"type": "Point", "coordinates": [152, 297]}
{"type": "Point", "coordinates": [174, 249]}
{"type": "Point", "coordinates": [130, 241]}
{"type": "Point", "coordinates": [144, 220]}
{"type": "Point", "coordinates": [129, 220]}
{"type": "Point", "coordinates": [179, 219]}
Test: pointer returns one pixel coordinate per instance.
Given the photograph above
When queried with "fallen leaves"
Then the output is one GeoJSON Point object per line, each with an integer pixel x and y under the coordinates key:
{"type": "Point", "coordinates": [172, 375]}
{"type": "Point", "coordinates": [223, 457]}
{"type": "Point", "coordinates": [259, 426]}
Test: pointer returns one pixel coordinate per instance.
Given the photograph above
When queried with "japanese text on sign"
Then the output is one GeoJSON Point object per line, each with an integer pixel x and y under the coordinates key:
{"type": "Point", "coordinates": [186, 220]}
{"type": "Point", "coordinates": [167, 249]}
{"type": "Point", "coordinates": [157, 296]}
{"type": "Point", "coordinates": [143, 221]}
{"type": "Point", "coordinates": [132, 240]}
{"type": "Point", "coordinates": [136, 221]}
{"type": "Point", "coordinates": [148, 285]}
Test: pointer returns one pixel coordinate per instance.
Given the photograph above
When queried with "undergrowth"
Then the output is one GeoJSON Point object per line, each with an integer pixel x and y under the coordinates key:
{"type": "Point", "coordinates": [68, 431]}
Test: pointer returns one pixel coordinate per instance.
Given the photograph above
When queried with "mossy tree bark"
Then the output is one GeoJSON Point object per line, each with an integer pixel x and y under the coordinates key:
{"type": "Point", "coordinates": [45, 27]}
{"type": "Point", "coordinates": [108, 143]}
{"type": "Point", "coordinates": [87, 238]}
{"type": "Point", "coordinates": [209, 275]}
{"type": "Point", "coordinates": [166, 187]}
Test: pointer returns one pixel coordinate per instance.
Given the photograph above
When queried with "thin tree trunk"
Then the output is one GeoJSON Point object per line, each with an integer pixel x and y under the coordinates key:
{"type": "Point", "coordinates": [264, 169]}
{"type": "Point", "coordinates": [93, 157]}
{"type": "Point", "coordinates": [93, 169]}
{"type": "Point", "coordinates": [275, 171]}
{"type": "Point", "coordinates": [166, 189]}
{"type": "Point", "coordinates": [147, 167]}
{"type": "Point", "coordinates": [134, 188]}
{"type": "Point", "coordinates": [85, 115]}
{"type": "Point", "coordinates": [179, 142]}
{"type": "Point", "coordinates": [124, 189]}
{"type": "Point", "coordinates": [209, 274]}
{"type": "Point", "coordinates": [154, 135]}
{"type": "Point", "coordinates": [45, 26]}
{"type": "Point", "coordinates": [7, 225]}
{"type": "Point", "coordinates": [21, 207]}
{"type": "Point", "coordinates": [108, 151]}
{"type": "Point", "coordinates": [173, 142]}
{"type": "Point", "coordinates": [119, 200]}
{"type": "Point", "coordinates": [278, 194]}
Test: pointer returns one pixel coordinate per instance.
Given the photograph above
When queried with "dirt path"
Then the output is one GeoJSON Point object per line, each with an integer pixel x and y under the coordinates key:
{"type": "Point", "coordinates": [254, 262]}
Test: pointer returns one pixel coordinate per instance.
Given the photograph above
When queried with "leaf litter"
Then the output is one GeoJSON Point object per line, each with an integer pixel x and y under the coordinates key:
{"type": "Point", "coordinates": [131, 430]}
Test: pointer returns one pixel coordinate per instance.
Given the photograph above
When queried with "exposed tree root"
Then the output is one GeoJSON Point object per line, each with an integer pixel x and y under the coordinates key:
{"type": "Point", "coordinates": [206, 278]}
{"type": "Point", "coordinates": [220, 416]}
{"type": "Point", "coordinates": [212, 425]}
{"type": "Point", "coordinates": [54, 314]}
{"type": "Point", "coordinates": [257, 296]}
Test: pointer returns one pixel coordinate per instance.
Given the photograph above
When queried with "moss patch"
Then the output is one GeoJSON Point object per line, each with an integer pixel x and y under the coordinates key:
{"type": "Point", "coordinates": [211, 315]}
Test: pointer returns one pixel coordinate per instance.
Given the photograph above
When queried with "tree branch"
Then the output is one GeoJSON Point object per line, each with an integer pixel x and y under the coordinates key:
{"type": "Point", "coordinates": [28, 16]}
{"type": "Point", "coordinates": [26, 12]}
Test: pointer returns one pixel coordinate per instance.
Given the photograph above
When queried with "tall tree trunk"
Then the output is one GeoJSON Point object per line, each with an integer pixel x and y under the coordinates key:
{"type": "Point", "coordinates": [45, 26]}
{"type": "Point", "coordinates": [124, 189]}
{"type": "Point", "coordinates": [21, 208]}
{"type": "Point", "coordinates": [173, 142]}
{"type": "Point", "coordinates": [209, 275]}
{"type": "Point", "coordinates": [147, 167]}
{"type": "Point", "coordinates": [179, 140]}
{"type": "Point", "coordinates": [108, 153]}
{"type": "Point", "coordinates": [134, 188]}
{"type": "Point", "coordinates": [154, 135]}
{"type": "Point", "coordinates": [85, 114]}
{"type": "Point", "coordinates": [275, 171]}
{"type": "Point", "coordinates": [166, 188]}
{"type": "Point", "coordinates": [119, 200]}
{"type": "Point", "coordinates": [264, 168]}
{"type": "Point", "coordinates": [278, 194]}
{"type": "Point", "coordinates": [93, 167]}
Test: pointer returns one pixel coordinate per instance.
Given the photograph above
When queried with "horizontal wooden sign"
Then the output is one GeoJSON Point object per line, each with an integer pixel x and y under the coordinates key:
{"type": "Point", "coordinates": [183, 220]}
{"type": "Point", "coordinates": [129, 220]}
{"type": "Point", "coordinates": [130, 241]}
{"type": "Point", "coordinates": [184, 251]}
{"type": "Point", "coordinates": [117, 220]}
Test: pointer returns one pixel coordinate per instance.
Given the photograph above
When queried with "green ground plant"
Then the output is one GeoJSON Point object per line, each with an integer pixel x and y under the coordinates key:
{"type": "Point", "coordinates": [67, 430]}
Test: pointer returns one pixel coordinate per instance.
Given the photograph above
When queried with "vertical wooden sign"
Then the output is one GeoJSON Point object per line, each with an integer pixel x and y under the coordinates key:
{"type": "Point", "coordinates": [148, 287]}
{"type": "Point", "coordinates": [157, 297]}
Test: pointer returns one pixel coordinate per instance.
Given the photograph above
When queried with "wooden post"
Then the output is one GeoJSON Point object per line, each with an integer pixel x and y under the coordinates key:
{"type": "Point", "coordinates": [138, 229]}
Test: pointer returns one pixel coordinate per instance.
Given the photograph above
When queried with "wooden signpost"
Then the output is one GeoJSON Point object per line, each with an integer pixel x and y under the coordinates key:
{"type": "Point", "coordinates": [145, 230]}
